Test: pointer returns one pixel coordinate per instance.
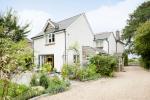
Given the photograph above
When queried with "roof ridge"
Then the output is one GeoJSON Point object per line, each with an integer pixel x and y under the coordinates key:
{"type": "Point", "coordinates": [70, 17]}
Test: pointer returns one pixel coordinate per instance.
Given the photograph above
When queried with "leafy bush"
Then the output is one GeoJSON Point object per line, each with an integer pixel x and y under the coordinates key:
{"type": "Point", "coordinates": [69, 71]}
{"type": "Point", "coordinates": [82, 74]}
{"type": "Point", "coordinates": [44, 81]}
{"type": "Point", "coordinates": [65, 71]}
{"type": "Point", "coordinates": [13, 89]}
{"type": "Point", "coordinates": [87, 73]}
{"type": "Point", "coordinates": [125, 56]}
{"type": "Point", "coordinates": [100, 65]}
{"type": "Point", "coordinates": [104, 64]}
{"type": "Point", "coordinates": [16, 90]}
{"type": "Point", "coordinates": [35, 80]}
{"type": "Point", "coordinates": [29, 94]}
{"type": "Point", "coordinates": [47, 68]}
{"type": "Point", "coordinates": [57, 85]}
{"type": "Point", "coordinates": [40, 79]}
{"type": "Point", "coordinates": [145, 63]}
{"type": "Point", "coordinates": [51, 84]}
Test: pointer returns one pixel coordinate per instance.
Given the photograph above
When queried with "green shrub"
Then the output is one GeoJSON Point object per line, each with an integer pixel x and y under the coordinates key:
{"type": "Point", "coordinates": [69, 71]}
{"type": "Point", "coordinates": [87, 73]}
{"type": "Point", "coordinates": [125, 56]}
{"type": "Point", "coordinates": [35, 80]}
{"type": "Point", "coordinates": [46, 68]}
{"type": "Point", "coordinates": [67, 82]}
{"type": "Point", "coordinates": [1, 87]}
{"type": "Point", "coordinates": [145, 63]}
{"type": "Point", "coordinates": [29, 94]}
{"type": "Point", "coordinates": [13, 89]}
{"type": "Point", "coordinates": [65, 71]}
{"type": "Point", "coordinates": [82, 74]}
{"type": "Point", "coordinates": [44, 81]}
{"type": "Point", "coordinates": [21, 92]}
{"type": "Point", "coordinates": [57, 85]}
{"type": "Point", "coordinates": [104, 64]}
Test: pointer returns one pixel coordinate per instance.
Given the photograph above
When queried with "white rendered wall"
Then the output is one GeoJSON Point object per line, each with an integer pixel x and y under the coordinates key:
{"type": "Point", "coordinates": [40, 48]}
{"type": "Point", "coordinates": [105, 46]}
{"type": "Point", "coordinates": [112, 44]}
{"type": "Point", "coordinates": [120, 47]}
{"type": "Point", "coordinates": [79, 32]}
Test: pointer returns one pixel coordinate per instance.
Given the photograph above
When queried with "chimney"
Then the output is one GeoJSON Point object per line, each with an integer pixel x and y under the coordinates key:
{"type": "Point", "coordinates": [49, 20]}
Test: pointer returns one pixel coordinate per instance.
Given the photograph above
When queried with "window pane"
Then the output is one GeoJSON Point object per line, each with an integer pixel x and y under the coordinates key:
{"type": "Point", "coordinates": [50, 41]}
{"type": "Point", "coordinates": [74, 58]}
{"type": "Point", "coordinates": [53, 35]}
{"type": "Point", "coordinates": [53, 39]}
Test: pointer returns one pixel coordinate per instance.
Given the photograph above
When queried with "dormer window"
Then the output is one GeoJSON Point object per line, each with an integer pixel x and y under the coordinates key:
{"type": "Point", "coordinates": [51, 38]}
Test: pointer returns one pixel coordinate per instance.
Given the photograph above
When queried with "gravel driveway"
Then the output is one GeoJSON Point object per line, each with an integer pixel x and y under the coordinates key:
{"type": "Point", "coordinates": [134, 84]}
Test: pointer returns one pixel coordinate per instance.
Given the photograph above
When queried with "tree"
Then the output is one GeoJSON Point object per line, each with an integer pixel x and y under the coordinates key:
{"type": "Point", "coordinates": [142, 43]}
{"type": "Point", "coordinates": [13, 59]}
{"type": "Point", "coordinates": [14, 50]}
{"type": "Point", "coordinates": [125, 56]}
{"type": "Point", "coordinates": [11, 28]}
{"type": "Point", "coordinates": [140, 15]}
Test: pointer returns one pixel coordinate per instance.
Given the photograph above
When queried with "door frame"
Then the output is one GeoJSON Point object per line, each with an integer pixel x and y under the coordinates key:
{"type": "Point", "coordinates": [41, 59]}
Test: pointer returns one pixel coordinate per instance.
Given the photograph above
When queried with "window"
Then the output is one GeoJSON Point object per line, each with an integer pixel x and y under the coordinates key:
{"type": "Point", "coordinates": [76, 59]}
{"type": "Point", "coordinates": [51, 38]}
{"type": "Point", "coordinates": [99, 43]}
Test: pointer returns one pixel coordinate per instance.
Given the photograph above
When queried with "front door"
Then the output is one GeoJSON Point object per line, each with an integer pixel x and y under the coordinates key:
{"type": "Point", "coordinates": [46, 59]}
{"type": "Point", "coordinates": [50, 60]}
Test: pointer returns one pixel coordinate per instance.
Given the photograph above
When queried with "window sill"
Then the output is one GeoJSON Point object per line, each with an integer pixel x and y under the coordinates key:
{"type": "Point", "coordinates": [49, 44]}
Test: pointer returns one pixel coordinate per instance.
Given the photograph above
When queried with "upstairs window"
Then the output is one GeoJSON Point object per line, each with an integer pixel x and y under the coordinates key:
{"type": "Point", "coordinates": [99, 43]}
{"type": "Point", "coordinates": [51, 38]}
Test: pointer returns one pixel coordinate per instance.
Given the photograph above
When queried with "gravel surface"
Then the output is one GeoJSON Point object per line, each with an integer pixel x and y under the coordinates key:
{"type": "Point", "coordinates": [133, 84]}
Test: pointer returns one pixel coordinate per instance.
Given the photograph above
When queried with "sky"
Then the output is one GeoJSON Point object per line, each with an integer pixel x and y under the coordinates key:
{"type": "Point", "coordinates": [103, 15]}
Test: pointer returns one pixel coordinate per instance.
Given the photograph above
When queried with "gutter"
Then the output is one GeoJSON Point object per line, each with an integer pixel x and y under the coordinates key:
{"type": "Point", "coordinates": [43, 34]}
{"type": "Point", "coordinates": [64, 30]}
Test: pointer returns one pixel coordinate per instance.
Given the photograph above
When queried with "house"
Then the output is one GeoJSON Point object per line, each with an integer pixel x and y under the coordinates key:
{"type": "Point", "coordinates": [53, 44]}
{"type": "Point", "coordinates": [72, 41]}
{"type": "Point", "coordinates": [107, 42]}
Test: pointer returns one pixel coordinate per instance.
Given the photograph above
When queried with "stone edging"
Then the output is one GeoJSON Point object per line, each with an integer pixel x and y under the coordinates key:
{"type": "Point", "coordinates": [43, 95]}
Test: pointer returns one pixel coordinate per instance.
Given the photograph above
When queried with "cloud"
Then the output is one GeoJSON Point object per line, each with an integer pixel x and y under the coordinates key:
{"type": "Point", "coordinates": [105, 18]}
{"type": "Point", "coordinates": [112, 17]}
{"type": "Point", "coordinates": [36, 18]}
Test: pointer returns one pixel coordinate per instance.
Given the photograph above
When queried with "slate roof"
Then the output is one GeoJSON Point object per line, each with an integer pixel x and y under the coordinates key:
{"type": "Point", "coordinates": [67, 22]}
{"type": "Point", "coordinates": [101, 36]}
{"type": "Point", "coordinates": [62, 24]}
